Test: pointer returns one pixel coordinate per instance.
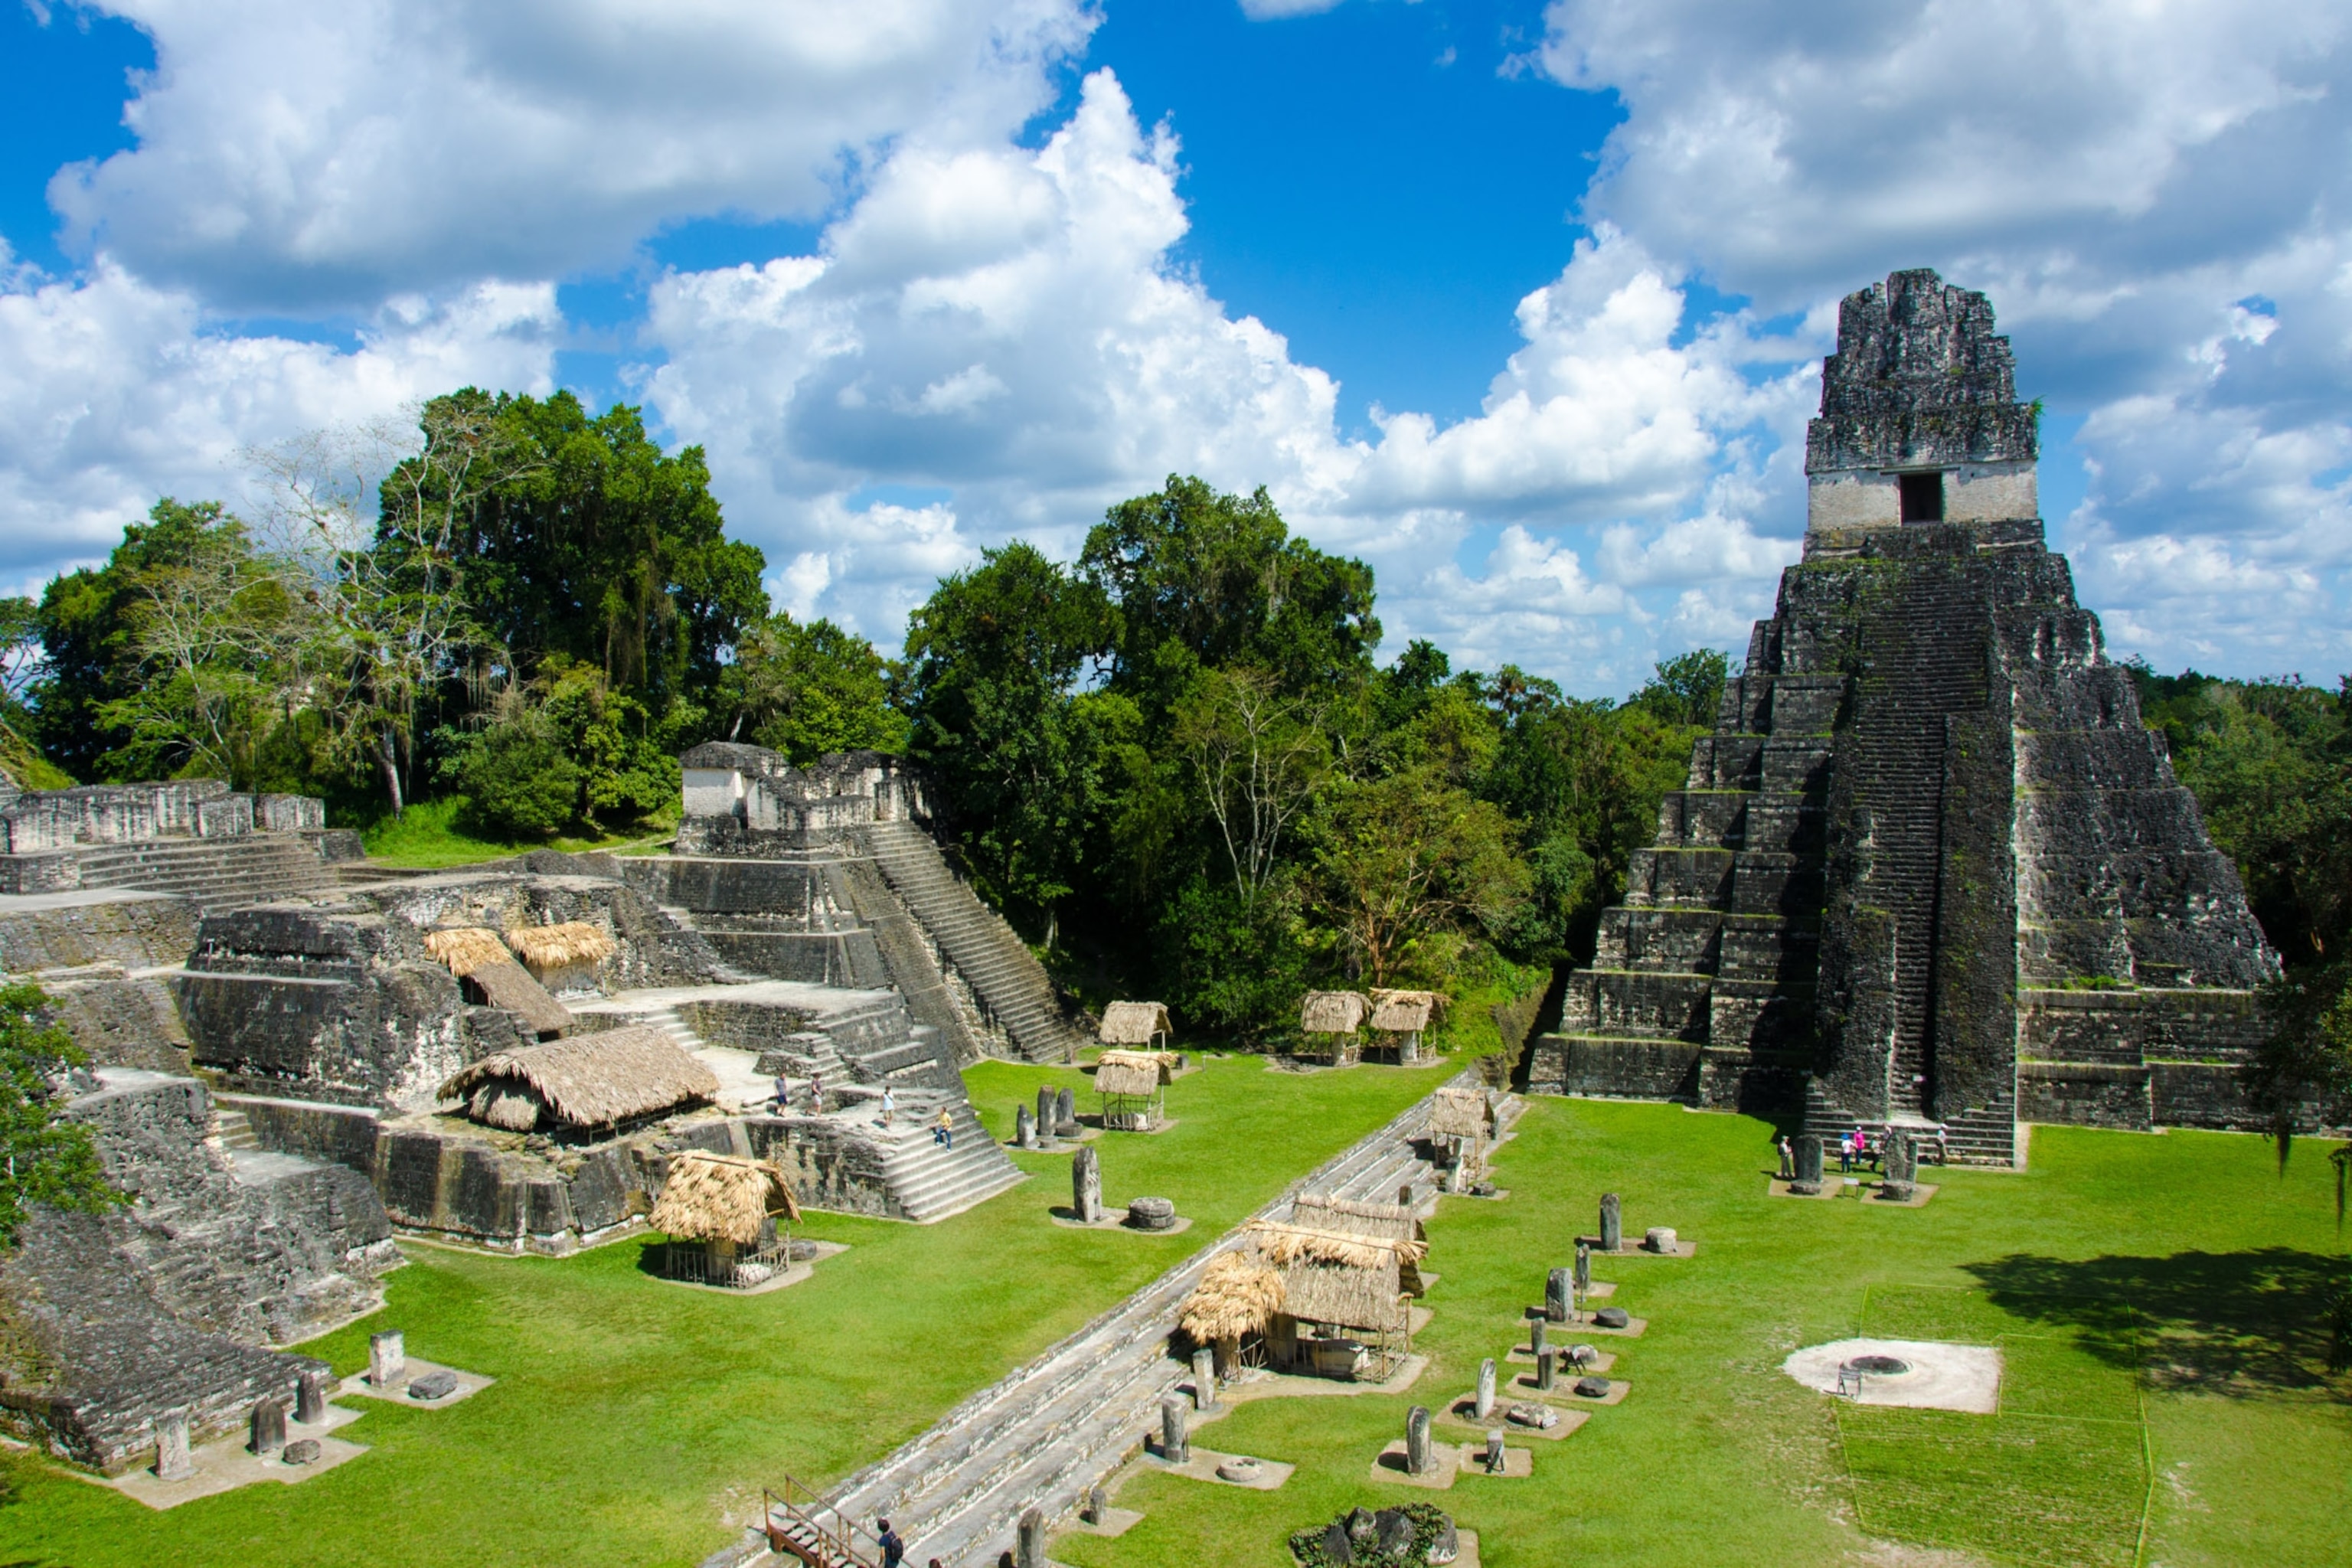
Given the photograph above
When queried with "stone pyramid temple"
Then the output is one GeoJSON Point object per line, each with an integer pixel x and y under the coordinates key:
{"type": "Point", "coordinates": [1930, 868]}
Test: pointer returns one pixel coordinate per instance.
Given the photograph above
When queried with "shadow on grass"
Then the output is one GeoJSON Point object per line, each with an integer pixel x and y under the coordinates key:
{"type": "Point", "coordinates": [2228, 1323]}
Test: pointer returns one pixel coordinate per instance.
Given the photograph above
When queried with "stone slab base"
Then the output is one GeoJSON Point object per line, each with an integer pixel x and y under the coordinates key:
{"type": "Point", "coordinates": [1116, 1219]}
{"type": "Point", "coordinates": [1203, 1467]}
{"type": "Point", "coordinates": [1635, 1249]}
{"type": "Point", "coordinates": [1264, 1385]}
{"type": "Point", "coordinates": [469, 1383]}
{"type": "Point", "coordinates": [1443, 1457]}
{"type": "Point", "coordinates": [1778, 1188]}
{"type": "Point", "coordinates": [1518, 1464]}
{"type": "Point", "coordinates": [1563, 1392]}
{"type": "Point", "coordinates": [1116, 1522]}
{"type": "Point", "coordinates": [1920, 1193]}
{"type": "Point", "coordinates": [223, 1464]}
{"type": "Point", "coordinates": [1459, 1412]}
{"type": "Point", "coordinates": [1583, 1324]}
{"type": "Point", "coordinates": [792, 1275]}
{"type": "Point", "coordinates": [1600, 1365]}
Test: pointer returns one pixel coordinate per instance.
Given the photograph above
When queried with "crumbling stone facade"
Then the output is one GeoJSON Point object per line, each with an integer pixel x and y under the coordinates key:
{"type": "Point", "coordinates": [1930, 865]}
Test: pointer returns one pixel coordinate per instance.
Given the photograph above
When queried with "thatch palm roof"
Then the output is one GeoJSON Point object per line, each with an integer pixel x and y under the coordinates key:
{"type": "Point", "coordinates": [561, 946]}
{"type": "Point", "coordinates": [513, 987]}
{"type": "Point", "coordinates": [720, 1198]}
{"type": "Point", "coordinates": [1330, 1277]}
{"type": "Point", "coordinates": [1129, 1078]}
{"type": "Point", "coordinates": [588, 1081]}
{"type": "Point", "coordinates": [1332, 1012]}
{"type": "Point", "coordinates": [1458, 1113]}
{"type": "Point", "coordinates": [1237, 1294]}
{"type": "Point", "coordinates": [1133, 1024]}
{"type": "Point", "coordinates": [1404, 1012]}
{"type": "Point", "coordinates": [1391, 1222]}
{"type": "Point", "coordinates": [465, 949]}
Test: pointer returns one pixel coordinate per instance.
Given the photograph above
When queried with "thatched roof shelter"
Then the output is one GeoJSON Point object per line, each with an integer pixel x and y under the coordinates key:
{"type": "Point", "coordinates": [491, 978]}
{"type": "Point", "coordinates": [1128, 1079]}
{"type": "Point", "coordinates": [720, 1198]}
{"type": "Point", "coordinates": [1133, 1024]}
{"type": "Point", "coordinates": [570, 952]}
{"type": "Point", "coordinates": [1405, 1012]}
{"type": "Point", "coordinates": [465, 949]}
{"type": "Point", "coordinates": [582, 1083]}
{"type": "Point", "coordinates": [1387, 1222]}
{"type": "Point", "coordinates": [1460, 1114]}
{"type": "Point", "coordinates": [1332, 1013]}
{"type": "Point", "coordinates": [1332, 1278]}
{"type": "Point", "coordinates": [1237, 1294]}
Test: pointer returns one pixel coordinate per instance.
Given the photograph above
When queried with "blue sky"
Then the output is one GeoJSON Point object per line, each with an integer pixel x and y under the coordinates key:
{"type": "Point", "coordinates": [1518, 302]}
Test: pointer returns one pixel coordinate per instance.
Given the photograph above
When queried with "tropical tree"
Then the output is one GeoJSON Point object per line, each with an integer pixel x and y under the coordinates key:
{"type": "Point", "coordinates": [806, 689]}
{"type": "Point", "coordinates": [44, 1157]}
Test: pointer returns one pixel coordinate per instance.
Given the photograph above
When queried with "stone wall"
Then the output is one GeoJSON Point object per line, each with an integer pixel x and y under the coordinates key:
{"type": "Point", "coordinates": [112, 1320]}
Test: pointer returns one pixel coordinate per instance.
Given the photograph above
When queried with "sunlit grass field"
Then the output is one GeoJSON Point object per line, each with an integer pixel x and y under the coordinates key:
{"type": "Point", "coordinates": [2154, 1296]}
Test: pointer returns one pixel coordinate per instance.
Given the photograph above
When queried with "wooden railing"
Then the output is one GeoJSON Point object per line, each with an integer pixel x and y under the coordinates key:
{"type": "Point", "coordinates": [802, 1525]}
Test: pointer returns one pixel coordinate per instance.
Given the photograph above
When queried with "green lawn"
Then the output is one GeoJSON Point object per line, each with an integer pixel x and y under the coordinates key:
{"type": "Point", "coordinates": [635, 1421]}
{"type": "Point", "coordinates": [428, 837]}
{"type": "Point", "coordinates": [2150, 1294]}
{"type": "Point", "coordinates": [2152, 1297]}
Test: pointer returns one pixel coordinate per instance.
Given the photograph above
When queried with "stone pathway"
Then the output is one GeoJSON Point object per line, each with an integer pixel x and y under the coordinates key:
{"type": "Point", "coordinates": [1044, 1434]}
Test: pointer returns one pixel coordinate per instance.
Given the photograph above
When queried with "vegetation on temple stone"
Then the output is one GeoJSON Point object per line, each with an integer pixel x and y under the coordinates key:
{"type": "Point", "coordinates": [44, 1159]}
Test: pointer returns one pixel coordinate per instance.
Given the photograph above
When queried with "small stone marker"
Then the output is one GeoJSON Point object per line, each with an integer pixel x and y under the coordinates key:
{"type": "Point", "coordinates": [1581, 1355]}
{"type": "Point", "coordinates": [1086, 1185]}
{"type": "Point", "coordinates": [172, 1460]}
{"type": "Point", "coordinates": [387, 1359]}
{"type": "Point", "coordinates": [1486, 1401]}
{"type": "Point", "coordinates": [1494, 1452]}
{"type": "Point", "coordinates": [267, 1426]}
{"type": "Point", "coordinates": [1659, 1239]}
{"type": "Point", "coordinates": [1542, 1417]}
{"type": "Point", "coordinates": [1048, 1102]}
{"type": "Point", "coordinates": [310, 1395]}
{"type": "Point", "coordinates": [1065, 1113]}
{"type": "Point", "coordinates": [1538, 1329]}
{"type": "Point", "coordinates": [433, 1386]}
{"type": "Point", "coordinates": [1556, 1289]}
{"type": "Point", "coordinates": [1097, 1507]}
{"type": "Point", "coordinates": [302, 1451]}
{"type": "Point", "coordinates": [1613, 1318]}
{"type": "Point", "coordinates": [1901, 1163]}
{"type": "Point", "coordinates": [1417, 1457]}
{"type": "Point", "coordinates": [1612, 1225]}
{"type": "Point", "coordinates": [1338, 1547]}
{"type": "Point", "coordinates": [1024, 1131]}
{"type": "Point", "coordinates": [1174, 1447]}
{"type": "Point", "coordinates": [1545, 1360]}
{"type": "Point", "coordinates": [1592, 1388]}
{"type": "Point", "coordinates": [1031, 1541]}
{"type": "Point", "coordinates": [1391, 1530]}
{"type": "Point", "coordinates": [1448, 1544]}
{"type": "Point", "coordinates": [1153, 1213]}
{"type": "Point", "coordinates": [1808, 1159]}
{"type": "Point", "coordinates": [1238, 1468]}
{"type": "Point", "coordinates": [1584, 1268]}
{"type": "Point", "coordinates": [1205, 1379]}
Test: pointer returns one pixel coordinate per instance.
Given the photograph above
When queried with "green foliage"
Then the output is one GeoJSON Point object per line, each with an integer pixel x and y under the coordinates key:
{"type": "Point", "coordinates": [44, 1159]}
{"type": "Point", "coordinates": [1687, 688]}
{"type": "Point", "coordinates": [1307, 1545]}
{"type": "Point", "coordinates": [807, 690]}
{"type": "Point", "coordinates": [598, 548]}
{"type": "Point", "coordinates": [564, 749]}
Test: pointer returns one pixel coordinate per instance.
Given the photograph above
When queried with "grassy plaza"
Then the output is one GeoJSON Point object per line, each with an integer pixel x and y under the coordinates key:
{"type": "Point", "coordinates": [2154, 1296]}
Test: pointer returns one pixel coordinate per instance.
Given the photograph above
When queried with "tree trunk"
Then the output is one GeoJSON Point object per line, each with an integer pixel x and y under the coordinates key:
{"type": "Point", "coordinates": [390, 763]}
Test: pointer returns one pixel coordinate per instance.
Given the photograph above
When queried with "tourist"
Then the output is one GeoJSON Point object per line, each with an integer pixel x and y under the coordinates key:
{"type": "Point", "coordinates": [894, 1551]}
{"type": "Point", "coordinates": [1942, 1147]}
{"type": "Point", "coordinates": [816, 1093]}
{"type": "Point", "coordinates": [943, 1130]}
{"type": "Point", "coordinates": [889, 1105]}
{"type": "Point", "coordinates": [1845, 1155]}
{"type": "Point", "coordinates": [1788, 1161]}
{"type": "Point", "coordinates": [784, 1094]}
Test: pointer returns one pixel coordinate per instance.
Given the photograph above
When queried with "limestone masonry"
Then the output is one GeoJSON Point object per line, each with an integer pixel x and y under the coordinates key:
{"type": "Point", "coordinates": [1930, 868]}
{"type": "Point", "coordinates": [274, 1032]}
